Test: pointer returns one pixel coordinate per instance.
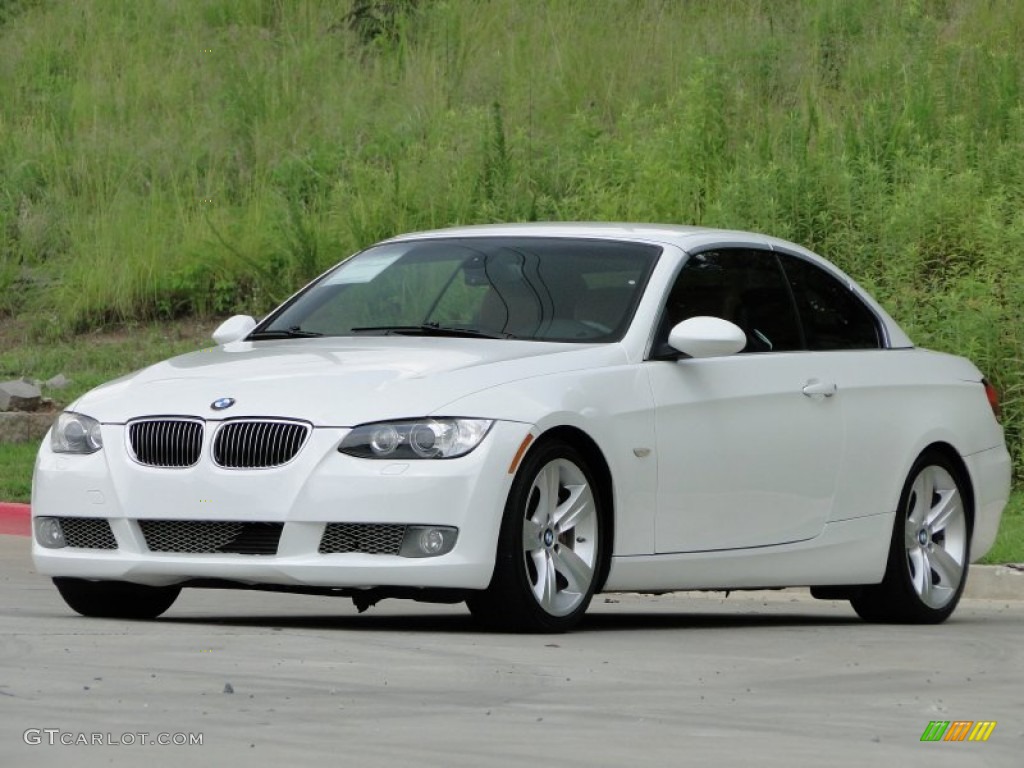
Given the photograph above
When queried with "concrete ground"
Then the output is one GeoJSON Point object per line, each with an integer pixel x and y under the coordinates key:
{"type": "Point", "coordinates": [775, 679]}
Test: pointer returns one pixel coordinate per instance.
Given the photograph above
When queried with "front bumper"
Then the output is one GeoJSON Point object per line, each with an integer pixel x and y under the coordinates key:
{"type": "Point", "coordinates": [318, 487]}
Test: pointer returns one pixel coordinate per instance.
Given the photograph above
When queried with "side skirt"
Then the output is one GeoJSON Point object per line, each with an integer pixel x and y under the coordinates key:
{"type": "Point", "coordinates": [848, 552]}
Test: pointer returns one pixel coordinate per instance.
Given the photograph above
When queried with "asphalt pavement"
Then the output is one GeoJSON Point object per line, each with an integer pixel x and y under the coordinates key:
{"type": "Point", "coordinates": [772, 678]}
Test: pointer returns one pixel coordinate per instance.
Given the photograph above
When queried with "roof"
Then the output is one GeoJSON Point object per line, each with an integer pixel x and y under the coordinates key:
{"type": "Point", "coordinates": [674, 233]}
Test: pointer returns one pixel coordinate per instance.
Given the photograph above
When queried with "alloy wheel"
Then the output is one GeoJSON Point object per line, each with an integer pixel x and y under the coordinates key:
{"type": "Point", "coordinates": [560, 533]}
{"type": "Point", "coordinates": [935, 536]}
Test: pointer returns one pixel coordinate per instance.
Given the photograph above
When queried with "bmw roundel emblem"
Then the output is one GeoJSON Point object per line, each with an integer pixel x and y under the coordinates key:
{"type": "Point", "coordinates": [222, 402]}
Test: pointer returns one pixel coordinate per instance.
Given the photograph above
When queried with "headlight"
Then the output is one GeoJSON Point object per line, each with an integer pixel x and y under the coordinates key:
{"type": "Point", "coordinates": [75, 433]}
{"type": "Point", "coordinates": [418, 439]}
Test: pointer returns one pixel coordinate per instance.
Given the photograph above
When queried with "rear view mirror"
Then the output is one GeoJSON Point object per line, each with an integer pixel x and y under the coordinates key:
{"type": "Point", "coordinates": [233, 329]}
{"type": "Point", "coordinates": [707, 337]}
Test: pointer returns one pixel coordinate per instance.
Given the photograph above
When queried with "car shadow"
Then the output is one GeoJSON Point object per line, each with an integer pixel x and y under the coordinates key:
{"type": "Point", "coordinates": [458, 623]}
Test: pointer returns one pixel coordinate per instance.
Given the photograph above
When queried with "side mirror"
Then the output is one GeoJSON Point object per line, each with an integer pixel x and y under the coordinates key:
{"type": "Point", "coordinates": [707, 337]}
{"type": "Point", "coordinates": [233, 329]}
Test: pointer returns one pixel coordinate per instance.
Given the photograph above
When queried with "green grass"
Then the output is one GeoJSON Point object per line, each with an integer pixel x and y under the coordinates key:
{"type": "Point", "coordinates": [1009, 546]}
{"type": "Point", "coordinates": [181, 159]}
{"type": "Point", "coordinates": [16, 462]}
{"type": "Point", "coordinates": [209, 157]}
{"type": "Point", "coordinates": [93, 358]}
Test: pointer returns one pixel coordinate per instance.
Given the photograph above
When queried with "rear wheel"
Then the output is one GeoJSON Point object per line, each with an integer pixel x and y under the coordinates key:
{"type": "Point", "coordinates": [115, 599]}
{"type": "Point", "coordinates": [550, 548]}
{"type": "Point", "coordinates": [930, 548]}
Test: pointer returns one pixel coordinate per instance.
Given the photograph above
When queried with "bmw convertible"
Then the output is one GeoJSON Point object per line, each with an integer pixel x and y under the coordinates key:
{"type": "Point", "coordinates": [520, 416]}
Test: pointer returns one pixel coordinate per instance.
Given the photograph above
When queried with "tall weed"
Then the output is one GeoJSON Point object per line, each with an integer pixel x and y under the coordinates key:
{"type": "Point", "coordinates": [210, 157]}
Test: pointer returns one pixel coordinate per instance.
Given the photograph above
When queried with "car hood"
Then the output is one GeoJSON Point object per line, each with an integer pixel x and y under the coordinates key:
{"type": "Point", "coordinates": [336, 381]}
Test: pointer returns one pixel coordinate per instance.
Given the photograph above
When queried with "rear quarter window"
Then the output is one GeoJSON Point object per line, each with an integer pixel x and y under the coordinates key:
{"type": "Point", "coordinates": [833, 316]}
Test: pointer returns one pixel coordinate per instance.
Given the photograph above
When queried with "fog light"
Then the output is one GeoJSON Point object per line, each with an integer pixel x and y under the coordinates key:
{"type": "Point", "coordinates": [428, 540]}
{"type": "Point", "coordinates": [431, 541]}
{"type": "Point", "coordinates": [49, 534]}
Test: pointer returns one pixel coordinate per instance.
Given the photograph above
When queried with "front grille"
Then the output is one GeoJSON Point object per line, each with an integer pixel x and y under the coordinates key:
{"type": "Point", "coordinates": [368, 538]}
{"type": "Point", "coordinates": [87, 533]}
{"type": "Point", "coordinates": [211, 537]}
{"type": "Point", "coordinates": [250, 444]}
{"type": "Point", "coordinates": [167, 442]}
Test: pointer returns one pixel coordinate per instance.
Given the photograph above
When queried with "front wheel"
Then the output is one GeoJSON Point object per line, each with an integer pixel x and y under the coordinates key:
{"type": "Point", "coordinates": [115, 599]}
{"type": "Point", "coordinates": [550, 548]}
{"type": "Point", "coordinates": [930, 548]}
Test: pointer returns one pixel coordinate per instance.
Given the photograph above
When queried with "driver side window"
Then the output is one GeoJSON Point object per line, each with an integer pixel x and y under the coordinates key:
{"type": "Point", "coordinates": [744, 286]}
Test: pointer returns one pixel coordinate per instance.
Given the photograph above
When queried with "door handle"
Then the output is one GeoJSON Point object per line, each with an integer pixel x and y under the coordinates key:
{"type": "Point", "coordinates": [817, 388]}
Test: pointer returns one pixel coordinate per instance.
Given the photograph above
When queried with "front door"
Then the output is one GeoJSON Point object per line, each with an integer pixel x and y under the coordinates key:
{"type": "Point", "coordinates": [749, 446]}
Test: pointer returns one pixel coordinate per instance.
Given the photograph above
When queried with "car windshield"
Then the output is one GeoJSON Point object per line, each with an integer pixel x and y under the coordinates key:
{"type": "Point", "coordinates": [542, 289]}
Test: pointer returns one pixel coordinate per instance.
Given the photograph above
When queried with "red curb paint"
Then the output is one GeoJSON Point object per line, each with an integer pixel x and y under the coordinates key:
{"type": "Point", "coordinates": [15, 519]}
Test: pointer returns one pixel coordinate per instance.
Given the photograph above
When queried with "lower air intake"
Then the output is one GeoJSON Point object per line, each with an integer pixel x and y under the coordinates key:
{"type": "Point", "coordinates": [366, 538]}
{"type": "Point", "coordinates": [206, 537]}
{"type": "Point", "coordinates": [87, 533]}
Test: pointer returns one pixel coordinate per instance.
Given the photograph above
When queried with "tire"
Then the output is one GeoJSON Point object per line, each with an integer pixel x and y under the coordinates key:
{"type": "Point", "coordinates": [930, 549]}
{"type": "Point", "coordinates": [115, 599]}
{"type": "Point", "coordinates": [551, 547]}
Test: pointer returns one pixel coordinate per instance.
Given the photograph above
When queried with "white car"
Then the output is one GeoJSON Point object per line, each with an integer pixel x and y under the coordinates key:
{"type": "Point", "coordinates": [520, 416]}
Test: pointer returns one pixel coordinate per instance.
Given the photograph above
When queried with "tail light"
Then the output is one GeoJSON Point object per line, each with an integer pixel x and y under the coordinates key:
{"type": "Point", "coordinates": [993, 399]}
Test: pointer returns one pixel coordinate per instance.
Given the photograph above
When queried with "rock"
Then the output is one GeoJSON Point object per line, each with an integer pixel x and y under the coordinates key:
{"type": "Point", "coordinates": [19, 427]}
{"type": "Point", "coordinates": [60, 381]}
{"type": "Point", "coordinates": [19, 396]}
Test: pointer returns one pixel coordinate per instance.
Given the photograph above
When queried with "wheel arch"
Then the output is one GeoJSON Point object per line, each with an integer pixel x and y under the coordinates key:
{"type": "Point", "coordinates": [950, 453]}
{"type": "Point", "coordinates": [897, 598]}
{"type": "Point", "coordinates": [597, 463]}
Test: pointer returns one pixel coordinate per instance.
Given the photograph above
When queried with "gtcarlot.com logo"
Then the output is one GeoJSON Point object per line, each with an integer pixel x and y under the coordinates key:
{"type": "Point", "coordinates": [57, 737]}
{"type": "Point", "coordinates": [958, 730]}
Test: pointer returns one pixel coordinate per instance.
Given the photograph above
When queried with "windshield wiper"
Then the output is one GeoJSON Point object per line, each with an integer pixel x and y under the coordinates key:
{"type": "Point", "coordinates": [431, 329]}
{"type": "Point", "coordinates": [295, 332]}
